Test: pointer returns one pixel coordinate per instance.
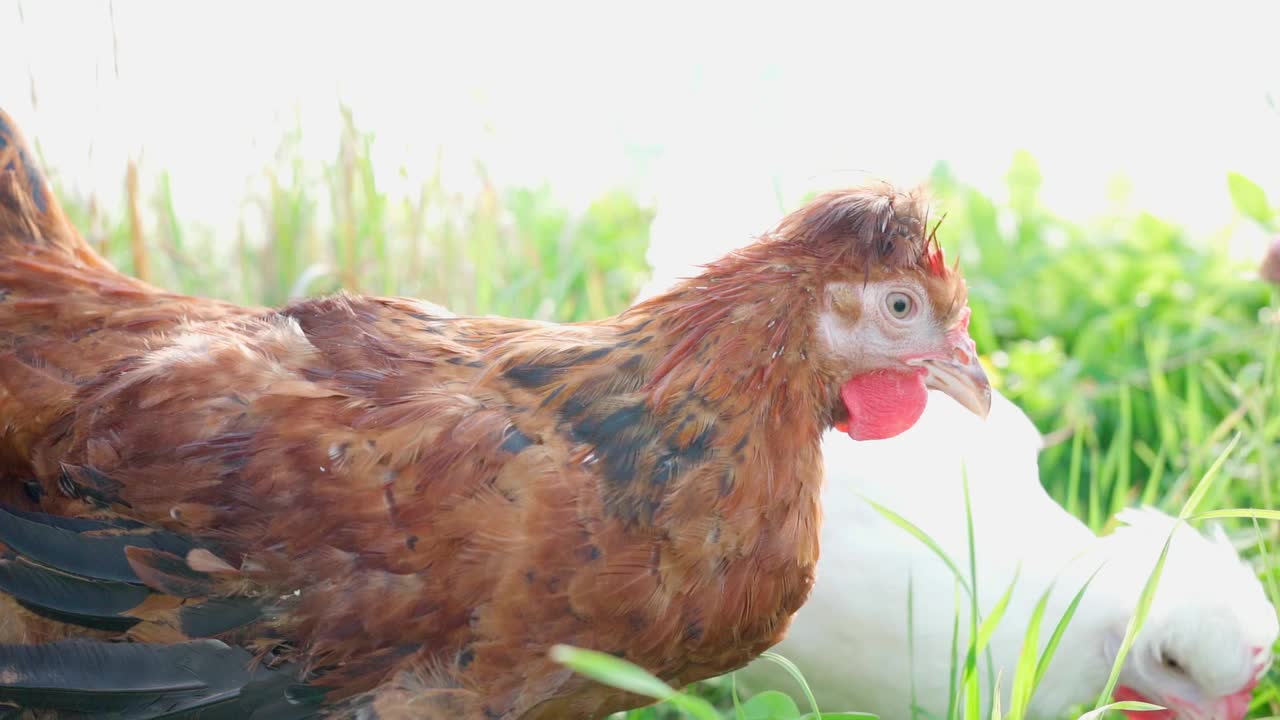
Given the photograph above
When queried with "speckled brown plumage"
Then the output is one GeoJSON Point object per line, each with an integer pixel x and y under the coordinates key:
{"type": "Point", "coordinates": [448, 496]}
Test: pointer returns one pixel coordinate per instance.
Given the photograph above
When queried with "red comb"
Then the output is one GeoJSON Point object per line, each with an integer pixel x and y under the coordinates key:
{"type": "Point", "coordinates": [933, 251]}
{"type": "Point", "coordinates": [937, 265]}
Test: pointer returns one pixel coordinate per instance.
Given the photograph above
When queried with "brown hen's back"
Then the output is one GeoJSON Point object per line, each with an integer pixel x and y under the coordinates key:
{"type": "Point", "coordinates": [393, 511]}
{"type": "Point", "coordinates": [65, 314]}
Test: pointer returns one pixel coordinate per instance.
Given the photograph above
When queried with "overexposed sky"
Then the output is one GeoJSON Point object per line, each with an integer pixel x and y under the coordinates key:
{"type": "Point", "coordinates": [702, 106]}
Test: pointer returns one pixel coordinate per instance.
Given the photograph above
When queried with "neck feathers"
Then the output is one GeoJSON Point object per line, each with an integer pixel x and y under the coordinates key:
{"type": "Point", "coordinates": [739, 334]}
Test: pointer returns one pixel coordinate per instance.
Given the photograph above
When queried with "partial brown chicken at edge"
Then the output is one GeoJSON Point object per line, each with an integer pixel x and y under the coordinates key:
{"type": "Point", "coordinates": [369, 507]}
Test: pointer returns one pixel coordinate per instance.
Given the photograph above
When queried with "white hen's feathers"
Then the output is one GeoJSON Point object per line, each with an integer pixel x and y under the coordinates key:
{"type": "Point", "coordinates": [1208, 609]}
{"type": "Point", "coordinates": [851, 638]}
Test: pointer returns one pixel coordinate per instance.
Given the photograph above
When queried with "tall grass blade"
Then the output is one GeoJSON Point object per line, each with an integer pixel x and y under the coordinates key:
{"type": "Point", "coordinates": [923, 537]}
{"type": "Point", "coordinates": [794, 672]}
{"type": "Point", "coordinates": [1059, 630]}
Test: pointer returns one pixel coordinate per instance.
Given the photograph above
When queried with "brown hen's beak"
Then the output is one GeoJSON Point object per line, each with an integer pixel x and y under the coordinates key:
{"type": "Point", "coordinates": [959, 375]}
{"type": "Point", "coordinates": [966, 382]}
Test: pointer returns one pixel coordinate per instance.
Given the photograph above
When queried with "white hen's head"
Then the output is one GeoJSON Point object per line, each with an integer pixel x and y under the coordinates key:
{"type": "Point", "coordinates": [1209, 634]}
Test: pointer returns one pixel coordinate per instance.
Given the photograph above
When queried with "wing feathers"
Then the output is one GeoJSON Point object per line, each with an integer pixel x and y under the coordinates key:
{"type": "Point", "coordinates": [89, 548]}
{"type": "Point", "coordinates": [146, 592]}
{"type": "Point", "coordinates": [98, 604]}
{"type": "Point", "coordinates": [143, 681]}
{"type": "Point", "coordinates": [90, 675]}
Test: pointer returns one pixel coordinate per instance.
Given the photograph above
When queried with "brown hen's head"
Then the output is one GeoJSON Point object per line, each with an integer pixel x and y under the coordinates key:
{"type": "Point", "coordinates": [885, 318]}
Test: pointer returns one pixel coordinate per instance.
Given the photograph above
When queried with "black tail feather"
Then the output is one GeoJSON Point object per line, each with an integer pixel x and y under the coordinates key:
{"type": "Point", "coordinates": [97, 604]}
{"type": "Point", "coordinates": [203, 679]}
{"type": "Point", "coordinates": [92, 549]}
{"type": "Point", "coordinates": [90, 675]}
{"type": "Point", "coordinates": [217, 616]}
{"type": "Point", "coordinates": [99, 573]}
{"type": "Point", "coordinates": [120, 576]}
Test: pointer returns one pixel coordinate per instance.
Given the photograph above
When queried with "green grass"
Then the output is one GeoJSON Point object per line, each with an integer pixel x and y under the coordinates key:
{"type": "Point", "coordinates": [1143, 352]}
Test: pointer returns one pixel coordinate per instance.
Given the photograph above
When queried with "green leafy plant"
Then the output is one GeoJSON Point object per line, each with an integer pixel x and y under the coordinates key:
{"type": "Point", "coordinates": [610, 670]}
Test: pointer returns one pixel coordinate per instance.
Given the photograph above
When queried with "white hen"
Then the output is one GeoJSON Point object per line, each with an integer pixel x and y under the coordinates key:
{"type": "Point", "coordinates": [1207, 639]}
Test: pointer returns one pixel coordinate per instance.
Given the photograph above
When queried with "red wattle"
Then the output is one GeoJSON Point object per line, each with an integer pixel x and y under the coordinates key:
{"type": "Point", "coordinates": [883, 403]}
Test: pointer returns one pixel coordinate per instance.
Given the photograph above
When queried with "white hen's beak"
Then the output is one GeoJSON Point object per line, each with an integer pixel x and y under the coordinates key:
{"type": "Point", "coordinates": [1196, 707]}
{"type": "Point", "coordinates": [1232, 707]}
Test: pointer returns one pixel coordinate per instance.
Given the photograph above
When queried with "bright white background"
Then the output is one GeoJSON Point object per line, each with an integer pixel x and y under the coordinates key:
{"type": "Point", "coordinates": [700, 106]}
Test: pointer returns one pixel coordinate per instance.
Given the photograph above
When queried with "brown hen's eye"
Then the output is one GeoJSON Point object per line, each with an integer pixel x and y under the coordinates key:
{"type": "Point", "coordinates": [899, 304]}
{"type": "Point", "coordinates": [1170, 662]}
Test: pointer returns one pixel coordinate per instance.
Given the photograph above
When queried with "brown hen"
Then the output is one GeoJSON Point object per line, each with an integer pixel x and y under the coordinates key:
{"type": "Point", "coordinates": [369, 507]}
